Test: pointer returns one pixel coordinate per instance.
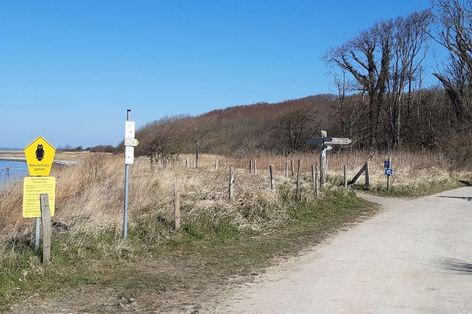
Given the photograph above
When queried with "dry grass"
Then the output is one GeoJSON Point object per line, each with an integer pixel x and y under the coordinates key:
{"type": "Point", "coordinates": [219, 238]}
{"type": "Point", "coordinates": [90, 201]}
{"type": "Point", "coordinates": [411, 169]}
{"type": "Point", "coordinates": [90, 194]}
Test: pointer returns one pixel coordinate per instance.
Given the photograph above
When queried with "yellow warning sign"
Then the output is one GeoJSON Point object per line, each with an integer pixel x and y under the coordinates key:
{"type": "Point", "coordinates": [39, 157]}
{"type": "Point", "coordinates": [33, 187]}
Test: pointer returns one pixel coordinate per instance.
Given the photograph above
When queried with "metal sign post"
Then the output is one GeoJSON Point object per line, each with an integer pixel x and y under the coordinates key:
{"type": "Point", "coordinates": [130, 143]}
{"type": "Point", "coordinates": [388, 170]}
{"type": "Point", "coordinates": [325, 143]}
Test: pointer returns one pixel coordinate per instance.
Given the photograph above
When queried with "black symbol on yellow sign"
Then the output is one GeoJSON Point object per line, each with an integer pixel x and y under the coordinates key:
{"type": "Point", "coordinates": [39, 152]}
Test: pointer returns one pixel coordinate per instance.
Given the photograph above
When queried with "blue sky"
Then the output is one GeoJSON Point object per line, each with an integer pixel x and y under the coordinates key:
{"type": "Point", "coordinates": [69, 69]}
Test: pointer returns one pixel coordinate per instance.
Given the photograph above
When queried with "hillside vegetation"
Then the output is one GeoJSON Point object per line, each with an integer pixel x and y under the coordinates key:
{"type": "Point", "coordinates": [381, 102]}
{"type": "Point", "coordinates": [238, 131]}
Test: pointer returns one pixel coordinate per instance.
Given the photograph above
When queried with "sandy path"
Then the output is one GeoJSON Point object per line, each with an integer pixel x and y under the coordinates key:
{"type": "Point", "coordinates": [414, 256]}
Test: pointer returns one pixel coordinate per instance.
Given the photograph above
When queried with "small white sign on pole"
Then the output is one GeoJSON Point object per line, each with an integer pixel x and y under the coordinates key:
{"type": "Point", "coordinates": [130, 130]}
{"type": "Point", "coordinates": [129, 155]}
{"type": "Point", "coordinates": [131, 142]}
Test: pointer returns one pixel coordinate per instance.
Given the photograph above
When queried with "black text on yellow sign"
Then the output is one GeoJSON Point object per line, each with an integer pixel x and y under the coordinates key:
{"type": "Point", "coordinates": [33, 187]}
{"type": "Point", "coordinates": [39, 157]}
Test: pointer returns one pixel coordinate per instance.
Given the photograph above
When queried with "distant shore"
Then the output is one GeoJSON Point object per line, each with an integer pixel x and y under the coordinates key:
{"type": "Point", "coordinates": [18, 156]}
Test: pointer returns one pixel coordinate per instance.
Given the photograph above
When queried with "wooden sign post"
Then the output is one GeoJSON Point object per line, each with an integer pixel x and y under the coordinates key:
{"type": "Point", "coordinates": [46, 224]}
{"type": "Point", "coordinates": [325, 143]}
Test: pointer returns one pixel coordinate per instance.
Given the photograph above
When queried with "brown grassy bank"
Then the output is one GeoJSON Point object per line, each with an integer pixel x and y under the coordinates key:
{"type": "Point", "coordinates": [219, 239]}
{"type": "Point", "coordinates": [90, 195]}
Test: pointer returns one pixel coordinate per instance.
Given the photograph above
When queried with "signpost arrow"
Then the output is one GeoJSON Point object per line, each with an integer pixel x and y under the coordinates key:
{"type": "Point", "coordinates": [324, 142]}
{"type": "Point", "coordinates": [338, 141]}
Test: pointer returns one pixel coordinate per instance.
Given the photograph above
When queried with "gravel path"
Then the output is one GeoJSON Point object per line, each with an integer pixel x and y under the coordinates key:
{"type": "Point", "coordinates": [413, 257]}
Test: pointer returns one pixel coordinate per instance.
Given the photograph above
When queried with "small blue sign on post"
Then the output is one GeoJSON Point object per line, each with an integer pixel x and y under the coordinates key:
{"type": "Point", "coordinates": [388, 171]}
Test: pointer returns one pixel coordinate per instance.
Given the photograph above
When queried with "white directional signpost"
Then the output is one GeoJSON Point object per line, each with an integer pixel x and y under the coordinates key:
{"type": "Point", "coordinates": [130, 143]}
{"type": "Point", "coordinates": [325, 143]}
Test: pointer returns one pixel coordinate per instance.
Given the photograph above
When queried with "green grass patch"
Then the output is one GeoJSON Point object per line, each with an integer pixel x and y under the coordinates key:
{"type": "Point", "coordinates": [156, 259]}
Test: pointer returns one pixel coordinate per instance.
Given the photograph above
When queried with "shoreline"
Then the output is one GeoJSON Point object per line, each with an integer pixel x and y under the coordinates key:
{"type": "Point", "coordinates": [56, 162]}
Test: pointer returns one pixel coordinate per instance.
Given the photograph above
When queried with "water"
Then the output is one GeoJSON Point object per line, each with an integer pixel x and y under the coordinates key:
{"type": "Point", "coordinates": [11, 171]}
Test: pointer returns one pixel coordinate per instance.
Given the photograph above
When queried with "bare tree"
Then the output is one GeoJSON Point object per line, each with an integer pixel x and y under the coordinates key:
{"type": "Point", "coordinates": [160, 140]}
{"type": "Point", "coordinates": [366, 57]}
{"type": "Point", "coordinates": [293, 129]}
{"type": "Point", "coordinates": [454, 18]}
{"type": "Point", "coordinates": [409, 42]}
{"type": "Point", "coordinates": [384, 62]}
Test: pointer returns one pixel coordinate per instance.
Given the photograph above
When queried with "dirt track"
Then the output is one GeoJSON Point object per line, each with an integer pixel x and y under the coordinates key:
{"type": "Point", "coordinates": [414, 256]}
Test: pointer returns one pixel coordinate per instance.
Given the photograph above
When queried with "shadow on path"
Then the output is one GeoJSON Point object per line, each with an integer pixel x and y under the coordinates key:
{"type": "Point", "coordinates": [467, 198]}
{"type": "Point", "coordinates": [457, 265]}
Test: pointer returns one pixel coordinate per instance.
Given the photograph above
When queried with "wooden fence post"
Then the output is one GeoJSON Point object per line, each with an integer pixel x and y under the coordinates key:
{"type": "Point", "coordinates": [176, 208]}
{"type": "Point", "coordinates": [250, 166]}
{"type": "Point", "coordinates": [317, 183]}
{"type": "Point", "coordinates": [367, 179]}
{"type": "Point", "coordinates": [322, 167]}
{"type": "Point", "coordinates": [291, 166]}
{"type": "Point", "coordinates": [255, 166]}
{"type": "Point", "coordinates": [286, 168]}
{"type": "Point", "coordinates": [231, 184]}
{"type": "Point", "coordinates": [313, 174]}
{"type": "Point", "coordinates": [297, 192]}
{"type": "Point", "coordinates": [216, 164]}
{"type": "Point", "coordinates": [345, 176]}
{"type": "Point", "coordinates": [271, 174]}
{"type": "Point", "coordinates": [46, 224]}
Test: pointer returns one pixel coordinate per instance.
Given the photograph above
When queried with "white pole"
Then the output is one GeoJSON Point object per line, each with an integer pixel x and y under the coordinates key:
{"type": "Point", "coordinates": [125, 211]}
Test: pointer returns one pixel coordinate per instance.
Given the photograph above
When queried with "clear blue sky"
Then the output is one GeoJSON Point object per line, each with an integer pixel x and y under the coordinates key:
{"type": "Point", "coordinates": [69, 69]}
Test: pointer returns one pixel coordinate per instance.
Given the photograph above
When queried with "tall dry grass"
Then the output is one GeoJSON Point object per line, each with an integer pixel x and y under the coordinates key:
{"type": "Point", "coordinates": [410, 168]}
{"type": "Point", "coordinates": [90, 194]}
